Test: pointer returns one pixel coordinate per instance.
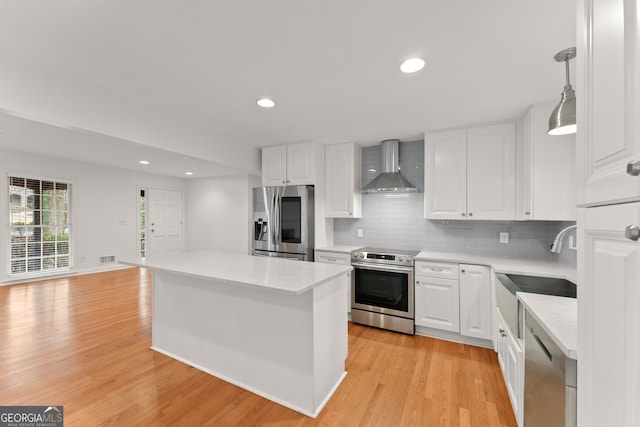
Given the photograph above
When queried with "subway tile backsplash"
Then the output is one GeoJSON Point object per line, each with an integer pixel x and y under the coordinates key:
{"type": "Point", "coordinates": [396, 221]}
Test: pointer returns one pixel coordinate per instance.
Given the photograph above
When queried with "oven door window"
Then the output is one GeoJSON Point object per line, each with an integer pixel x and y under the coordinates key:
{"type": "Point", "coordinates": [382, 289]}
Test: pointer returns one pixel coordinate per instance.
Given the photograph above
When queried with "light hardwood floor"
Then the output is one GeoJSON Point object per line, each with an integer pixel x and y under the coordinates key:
{"type": "Point", "coordinates": [83, 342]}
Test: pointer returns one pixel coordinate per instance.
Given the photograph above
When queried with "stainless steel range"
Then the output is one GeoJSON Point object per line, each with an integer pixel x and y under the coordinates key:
{"type": "Point", "coordinates": [382, 289]}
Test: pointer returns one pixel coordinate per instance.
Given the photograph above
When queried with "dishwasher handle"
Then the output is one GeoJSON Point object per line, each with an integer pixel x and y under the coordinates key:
{"type": "Point", "coordinates": [541, 344]}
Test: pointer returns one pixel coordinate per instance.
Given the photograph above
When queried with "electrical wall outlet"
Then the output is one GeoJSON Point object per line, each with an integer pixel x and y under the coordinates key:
{"type": "Point", "coordinates": [504, 237]}
{"type": "Point", "coordinates": [359, 232]}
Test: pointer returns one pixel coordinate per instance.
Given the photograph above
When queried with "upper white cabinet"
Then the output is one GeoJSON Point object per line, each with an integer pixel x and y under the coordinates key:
{"type": "Point", "coordinates": [445, 175]}
{"type": "Point", "coordinates": [546, 176]}
{"type": "Point", "coordinates": [470, 174]}
{"type": "Point", "coordinates": [343, 198]}
{"type": "Point", "coordinates": [475, 301]}
{"type": "Point", "coordinates": [293, 164]}
{"type": "Point", "coordinates": [608, 99]}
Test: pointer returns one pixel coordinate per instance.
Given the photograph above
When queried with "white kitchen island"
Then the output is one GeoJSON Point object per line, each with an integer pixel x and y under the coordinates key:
{"type": "Point", "coordinates": [273, 326]}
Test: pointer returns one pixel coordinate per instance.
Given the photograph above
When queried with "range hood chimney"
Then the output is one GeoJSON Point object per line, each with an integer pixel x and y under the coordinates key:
{"type": "Point", "coordinates": [390, 180]}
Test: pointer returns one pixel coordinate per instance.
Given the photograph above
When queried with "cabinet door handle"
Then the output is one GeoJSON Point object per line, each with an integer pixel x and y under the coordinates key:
{"type": "Point", "coordinates": [633, 168]}
{"type": "Point", "coordinates": [463, 271]}
{"type": "Point", "coordinates": [527, 213]}
{"type": "Point", "coordinates": [632, 232]}
{"type": "Point", "coordinates": [464, 214]}
{"type": "Point", "coordinates": [436, 270]}
{"type": "Point", "coordinates": [470, 213]}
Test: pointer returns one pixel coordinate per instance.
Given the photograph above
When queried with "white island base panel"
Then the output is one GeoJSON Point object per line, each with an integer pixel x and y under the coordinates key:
{"type": "Point", "coordinates": [290, 349]}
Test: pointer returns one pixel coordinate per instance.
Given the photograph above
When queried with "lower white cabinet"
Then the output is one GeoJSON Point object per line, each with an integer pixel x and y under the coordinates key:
{"type": "Point", "coordinates": [327, 257]}
{"type": "Point", "coordinates": [475, 301]}
{"type": "Point", "coordinates": [437, 303]}
{"type": "Point", "coordinates": [454, 297]}
{"type": "Point", "coordinates": [511, 361]}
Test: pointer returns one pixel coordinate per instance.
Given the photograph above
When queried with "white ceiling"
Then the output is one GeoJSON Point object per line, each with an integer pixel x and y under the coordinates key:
{"type": "Point", "coordinates": [183, 76]}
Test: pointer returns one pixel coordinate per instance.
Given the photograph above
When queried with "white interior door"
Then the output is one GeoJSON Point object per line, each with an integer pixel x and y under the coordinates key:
{"type": "Point", "coordinates": [164, 222]}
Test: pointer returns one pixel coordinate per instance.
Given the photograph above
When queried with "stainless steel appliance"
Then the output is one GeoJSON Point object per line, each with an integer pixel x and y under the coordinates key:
{"type": "Point", "coordinates": [283, 222]}
{"type": "Point", "coordinates": [550, 378]}
{"type": "Point", "coordinates": [382, 289]}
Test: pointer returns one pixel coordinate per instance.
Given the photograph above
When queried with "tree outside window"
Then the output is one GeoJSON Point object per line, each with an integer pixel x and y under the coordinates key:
{"type": "Point", "coordinates": [40, 226]}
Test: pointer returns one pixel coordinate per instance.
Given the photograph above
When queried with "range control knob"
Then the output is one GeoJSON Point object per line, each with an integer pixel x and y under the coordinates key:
{"type": "Point", "coordinates": [402, 258]}
{"type": "Point", "coordinates": [360, 255]}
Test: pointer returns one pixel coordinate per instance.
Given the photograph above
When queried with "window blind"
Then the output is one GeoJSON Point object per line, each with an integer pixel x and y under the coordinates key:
{"type": "Point", "coordinates": [40, 226]}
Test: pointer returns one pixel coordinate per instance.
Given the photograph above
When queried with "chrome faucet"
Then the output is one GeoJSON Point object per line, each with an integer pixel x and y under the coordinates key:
{"type": "Point", "coordinates": [556, 246]}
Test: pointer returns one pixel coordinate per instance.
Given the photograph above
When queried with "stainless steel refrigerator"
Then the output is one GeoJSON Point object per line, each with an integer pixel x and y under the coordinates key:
{"type": "Point", "coordinates": [283, 222]}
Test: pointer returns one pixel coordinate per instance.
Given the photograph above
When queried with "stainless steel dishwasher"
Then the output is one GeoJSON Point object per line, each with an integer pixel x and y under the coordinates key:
{"type": "Point", "coordinates": [549, 380]}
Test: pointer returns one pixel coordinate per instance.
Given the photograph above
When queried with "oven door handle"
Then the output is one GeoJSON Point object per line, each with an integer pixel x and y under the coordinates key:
{"type": "Point", "coordinates": [379, 267]}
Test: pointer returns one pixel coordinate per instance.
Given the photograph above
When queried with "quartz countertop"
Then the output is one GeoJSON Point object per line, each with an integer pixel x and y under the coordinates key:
{"type": "Point", "coordinates": [273, 274]}
{"type": "Point", "coordinates": [558, 316]}
{"type": "Point", "coordinates": [506, 265]}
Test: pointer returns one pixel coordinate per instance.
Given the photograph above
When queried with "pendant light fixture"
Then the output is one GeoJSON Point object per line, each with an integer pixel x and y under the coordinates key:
{"type": "Point", "coordinates": [563, 117]}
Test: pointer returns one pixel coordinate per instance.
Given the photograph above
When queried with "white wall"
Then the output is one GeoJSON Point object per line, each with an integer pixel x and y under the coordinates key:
{"type": "Point", "coordinates": [104, 204]}
{"type": "Point", "coordinates": [217, 213]}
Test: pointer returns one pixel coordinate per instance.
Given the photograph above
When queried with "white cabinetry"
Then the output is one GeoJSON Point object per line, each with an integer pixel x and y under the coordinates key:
{"type": "Point", "coordinates": [475, 301]}
{"type": "Point", "coordinates": [327, 257]}
{"type": "Point", "coordinates": [293, 164]}
{"type": "Point", "coordinates": [511, 361]}
{"type": "Point", "coordinates": [546, 176]}
{"type": "Point", "coordinates": [436, 296]}
{"type": "Point", "coordinates": [608, 141]}
{"type": "Point", "coordinates": [608, 63]}
{"type": "Point", "coordinates": [445, 166]}
{"type": "Point", "coordinates": [470, 173]}
{"type": "Point", "coordinates": [608, 316]}
{"type": "Point", "coordinates": [342, 179]}
{"type": "Point", "coordinates": [454, 297]}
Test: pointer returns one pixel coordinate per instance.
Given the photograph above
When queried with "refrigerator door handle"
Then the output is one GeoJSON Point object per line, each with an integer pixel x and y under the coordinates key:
{"type": "Point", "coordinates": [276, 217]}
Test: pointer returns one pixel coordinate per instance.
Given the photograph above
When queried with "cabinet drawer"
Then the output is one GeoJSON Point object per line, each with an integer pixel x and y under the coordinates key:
{"type": "Point", "coordinates": [445, 270]}
{"type": "Point", "coordinates": [332, 258]}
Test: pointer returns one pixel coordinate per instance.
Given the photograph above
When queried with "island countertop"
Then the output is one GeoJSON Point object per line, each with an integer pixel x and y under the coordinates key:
{"type": "Point", "coordinates": [268, 273]}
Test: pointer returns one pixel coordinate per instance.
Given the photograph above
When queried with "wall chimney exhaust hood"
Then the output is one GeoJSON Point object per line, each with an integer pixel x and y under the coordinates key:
{"type": "Point", "coordinates": [390, 180]}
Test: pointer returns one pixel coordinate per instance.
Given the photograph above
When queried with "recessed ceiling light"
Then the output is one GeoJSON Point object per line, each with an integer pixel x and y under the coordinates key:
{"type": "Point", "coordinates": [412, 65]}
{"type": "Point", "coordinates": [188, 173]}
{"type": "Point", "coordinates": [143, 162]}
{"type": "Point", "coordinates": [266, 102]}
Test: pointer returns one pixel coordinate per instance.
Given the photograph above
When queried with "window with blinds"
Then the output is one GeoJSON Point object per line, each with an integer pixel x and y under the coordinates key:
{"type": "Point", "coordinates": [40, 227]}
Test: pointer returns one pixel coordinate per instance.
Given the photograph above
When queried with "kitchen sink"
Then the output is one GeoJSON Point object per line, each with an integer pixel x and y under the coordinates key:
{"type": "Point", "coordinates": [508, 284]}
{"type": "Point", "coordinates": [540, 285]}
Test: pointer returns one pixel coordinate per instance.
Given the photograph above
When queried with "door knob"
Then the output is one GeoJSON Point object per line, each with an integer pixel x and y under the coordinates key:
{"type": "Point", "coordinates": [633, 168]}
{"type": "Point", "coordinates": [632, 232]}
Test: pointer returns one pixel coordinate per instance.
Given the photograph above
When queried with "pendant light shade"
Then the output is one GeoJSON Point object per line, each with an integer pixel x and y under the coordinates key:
{"type": "Point", "coordinates": [563, 117]}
